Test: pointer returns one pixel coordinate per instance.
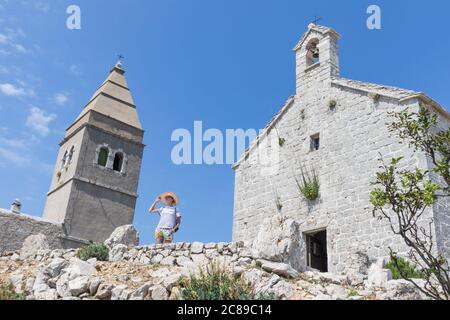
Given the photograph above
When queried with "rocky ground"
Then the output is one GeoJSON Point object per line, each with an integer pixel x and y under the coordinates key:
{"type": "Point", "coordinates": [58, 274]}
{"type": "Point", "coordinates": [135, 272]}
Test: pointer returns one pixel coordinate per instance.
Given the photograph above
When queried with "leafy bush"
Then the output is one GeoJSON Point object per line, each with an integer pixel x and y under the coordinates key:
{"type": "Point", "coordinates": [404, 268]}
{"type": "Point", "coordinates": [7, 292]}
{"type": "Point", "coordinates": [353, 293]}
{"type": "Point", "coordinates": [216, 283]}
{"type": "Point", "coordinates": [93, 250]}
{"type": "Point", "coordinates": [309, 185]}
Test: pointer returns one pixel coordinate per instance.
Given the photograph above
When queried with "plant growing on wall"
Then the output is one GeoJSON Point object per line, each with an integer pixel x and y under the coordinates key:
{"type": "Point", "coordinates": [402, 197]}
{"type": "Point", "coordinates": [281, 141]}
{"type": "Point", "coordinates": [374, 96]}
{"type": "Point", "coordinates": [278, 202]}
{"type": "Point", "coordinates": [332, 104]}
{"type": "Point", "coordinates": [308, 185]}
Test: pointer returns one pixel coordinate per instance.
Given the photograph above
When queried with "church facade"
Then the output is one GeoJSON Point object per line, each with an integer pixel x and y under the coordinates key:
{"type": "Point", "coordinates": [94, 184]}
{"type": "Point", "coordinates": [338, 128]}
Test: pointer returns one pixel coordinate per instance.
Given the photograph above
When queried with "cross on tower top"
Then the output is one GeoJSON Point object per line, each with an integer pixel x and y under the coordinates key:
{"type": "Point", "coordinates": [120, 57]}
{"type": "Point", "coordinates": [316, 19]}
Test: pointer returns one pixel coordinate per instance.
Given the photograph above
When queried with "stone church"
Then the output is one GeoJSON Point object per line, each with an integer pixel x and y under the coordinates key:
{"type": "Point", "coordinates": [337, 127]}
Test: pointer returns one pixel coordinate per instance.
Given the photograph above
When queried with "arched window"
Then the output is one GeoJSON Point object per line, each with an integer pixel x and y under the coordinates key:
{"type": "Point", "coordinates": [118, 162]}
{"type": "Point", "coordinates": [63, 160]}
{"type": "Point", "coordinates": [71, 152]}
{"type": "Point", "coordinates": [313, 54]}
{"type": "Point", "coordinates": [103, 156]}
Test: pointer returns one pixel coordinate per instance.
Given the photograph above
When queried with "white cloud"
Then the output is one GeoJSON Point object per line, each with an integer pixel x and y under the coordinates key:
{"type": "Point", "coordinates": [39, 121]}
{"type": "Point", "coordinates": [3, 38]}
{"type": "Point", "coordinates": [13, 143]}
{"type": "Point", "coordinates": [75, 69]}
{"type": "Point", "coordinates": [61, 99]}
{"type": "Point", "coordinates": [20, 48]}
{"type": "Point", "coordinates": [14, 156]}
{"type": "Point", "coordinates": [11, 90]}
{"type": "Point", "coordinates": [42, 6]}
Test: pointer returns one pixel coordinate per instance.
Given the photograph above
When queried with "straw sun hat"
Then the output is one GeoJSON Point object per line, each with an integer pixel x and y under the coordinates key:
{"type": "Point", "coordinates": [170, 194]}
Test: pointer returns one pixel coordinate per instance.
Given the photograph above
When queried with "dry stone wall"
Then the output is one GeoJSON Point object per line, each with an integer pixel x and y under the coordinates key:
{"type": "Point", "coordinates": [15, 228]}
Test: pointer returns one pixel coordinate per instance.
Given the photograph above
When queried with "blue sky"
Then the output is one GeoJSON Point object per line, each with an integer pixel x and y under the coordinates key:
{"type": "Point", "coordinates": [227, 63]}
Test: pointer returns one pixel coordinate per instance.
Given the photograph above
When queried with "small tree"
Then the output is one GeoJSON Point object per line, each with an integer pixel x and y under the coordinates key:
{"type": "Point", "coordinates": [403, 196]}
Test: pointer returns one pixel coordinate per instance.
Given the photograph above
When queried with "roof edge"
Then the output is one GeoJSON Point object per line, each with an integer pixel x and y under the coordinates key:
{"type": "Point", "coordinates": [265, 131]}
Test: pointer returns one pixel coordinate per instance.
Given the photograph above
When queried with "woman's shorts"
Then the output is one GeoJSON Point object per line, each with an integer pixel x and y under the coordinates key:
{"type": "Point", "coordinates": [164, 235]}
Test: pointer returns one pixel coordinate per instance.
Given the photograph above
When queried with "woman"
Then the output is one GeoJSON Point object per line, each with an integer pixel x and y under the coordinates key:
{"type": "Point", "coordinates": [169, 217]}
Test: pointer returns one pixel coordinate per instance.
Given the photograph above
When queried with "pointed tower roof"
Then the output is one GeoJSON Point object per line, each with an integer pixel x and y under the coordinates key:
{"type": "Point", "coordinates": [113, 99]}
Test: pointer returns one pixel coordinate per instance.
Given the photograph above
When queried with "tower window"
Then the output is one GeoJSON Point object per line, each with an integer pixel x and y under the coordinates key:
{"type": "Point", "coordinates": [315, 142]}
{"type": "Point", "coordinates": [70, 156]}
{"type": "Point", "coordinates": [63, 160]}
{"type": "Point", "coordinates": [118, 162]}
{"type": "Point", "coordinates": [103, 156]}
{"type": "Point", "coordinates": [313, 54]}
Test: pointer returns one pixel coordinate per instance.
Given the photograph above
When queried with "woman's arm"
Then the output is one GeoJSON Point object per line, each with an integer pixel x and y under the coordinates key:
{"type": "Point", "coordinates": [152, 207]}
{"type": "Point", "coordinates": [177, 224]}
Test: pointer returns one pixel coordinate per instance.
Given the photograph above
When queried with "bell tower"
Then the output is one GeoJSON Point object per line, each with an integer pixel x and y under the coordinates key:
{"type": "Point", "coordinates": [94, 184]}
{"type": "Point", "coordinates": [316, 56]}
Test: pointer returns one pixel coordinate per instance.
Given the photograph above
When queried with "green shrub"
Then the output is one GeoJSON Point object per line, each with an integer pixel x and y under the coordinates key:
{"type": "Point", "coordinates": [93, 250]}
{"type": "Point", "coordinates": [309, 185]}
{"type": "Point", "coordinates": [353, 293]}
{"type": "Point", "coordinates": [7, 292]}
{"type": "Point", "coordinates": [404, 268]}
{"type": "Point", "coordinates": [216, 283]}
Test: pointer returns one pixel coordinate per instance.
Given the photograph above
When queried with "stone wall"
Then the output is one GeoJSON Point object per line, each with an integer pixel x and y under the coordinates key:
{"type": "Point", "coordinates": [183, 254]}
{"type": "Point", "coordinates": [442, 207]}
{"type": "Point", "coordinates": [15, 228]}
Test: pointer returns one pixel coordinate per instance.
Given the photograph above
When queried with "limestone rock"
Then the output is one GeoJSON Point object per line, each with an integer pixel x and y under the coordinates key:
{"type": "Point", "coordinates": [117, 252]}
{"type": "Point", "coordinates": [104, 291]}
{"type": "Point", "coordinates": [32, 245]}
{"type": "Point", "coordinates": [55, 267]}
{"type": "Point", "coordinates": [126, 235]}
{"type": "Point", "coordinates": [168, 261]}
{"type": "Point", "coordinates": [117, 292]}
{"type": "Point", "coordinates": [93, 287]}
{"type": "Point", "coordinates": [184, 261]}
{"type": "Point", "coordinates": [79, 285]}
{"type": "Point", "coordinates": [78, 268]}
{"type": "Point", "coordinates": [279, 239]}
{"type": "Point", "coordinates": [283, 290]}
{"type": "Point", "coordinates": [159, 293]}
{"type": "Point", "coordinates": [62, 285]}
{"type": "Point", "coordinates": [197, 247]}
{"type": "Point", "coordinates": [49, 294]}
{"type": "Point", "coordinates": [281, 269]}
{"type": "Point", "coordinates": [170, 281]}
{"type": "Point", "coordinates": [377, 276]}
{"type": "Point", "coordinates": [252, 276]}
{"type": "Point", "coordinates": [16, 280]}
{"type": "Point", "coordinates": [140, 293]}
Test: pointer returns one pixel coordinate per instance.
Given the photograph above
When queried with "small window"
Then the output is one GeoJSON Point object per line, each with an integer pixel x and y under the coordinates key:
{"type": "Point", "coordinates": [63, 160]}
{"type": "Point", "coordinates": [72, 151]}
{"type": "Point", "coordinates": [103, 157]}
{"type": "Point", "coordinates": [315, 142]}
{"type": "Point", "coordinates": [118, 162]}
